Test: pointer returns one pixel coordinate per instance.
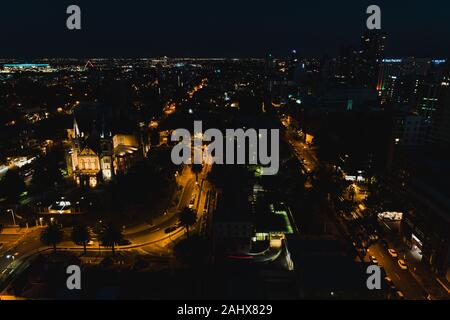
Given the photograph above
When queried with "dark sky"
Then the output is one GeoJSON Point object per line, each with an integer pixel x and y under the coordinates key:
{"type": "Point", "coordinates": [216, 28]}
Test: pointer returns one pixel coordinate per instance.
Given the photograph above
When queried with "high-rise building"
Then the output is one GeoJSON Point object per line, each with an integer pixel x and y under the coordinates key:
{"type": "Point", "coordinates": [440, 133]}
{"type": "Point", "coordinates": [373, 44]}
{"type": "Point", "coordinates": [346, 66]}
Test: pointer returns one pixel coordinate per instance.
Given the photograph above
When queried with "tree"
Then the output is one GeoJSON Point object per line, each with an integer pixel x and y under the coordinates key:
{"type": "Point", "coordinates": [188, 218]}
{"type": "Point", "coordinates": [196, 168]}
{"type": "Point", "coordinates": [47, 171]}
{"type": "Point", "coordinates": [52, 235]}
{"type": "Point", "coordinates": [80, 235]}
{"type": "Point", "coordinates": [109, 236]}
{"type": "Point", "coordinates": [193, 251]}
{"type": "Point", "coordinates": [236, 177]}
{"type": "Point", "coordinates": [44, 178]}
{"type": "Point", "coordinates": [12, 186]}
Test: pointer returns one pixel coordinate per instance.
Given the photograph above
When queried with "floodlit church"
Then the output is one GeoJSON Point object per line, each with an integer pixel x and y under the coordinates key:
{"type": "Point", "coordinates": [97, 157]}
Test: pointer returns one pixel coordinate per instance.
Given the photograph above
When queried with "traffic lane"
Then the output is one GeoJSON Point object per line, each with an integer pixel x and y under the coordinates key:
{"type": "Point", "coordinates": [7, 241]}
{"type": "Point", "coordinates": [144, 235]}
{"type": "Point", "coordinates": [28, 244]}
{"type": "Point", "coordinates": [403, 280]}
{"type": "Point", "coordinates": [303, 151]}
{"type": "Point", "coordinates": [202, 212]}
{"type": "Point", "coordinates": [187, 194]}
{"type": "Point", "coordinates": [158, 232]}
{"type": "Point", "coordinates": [136, 233]}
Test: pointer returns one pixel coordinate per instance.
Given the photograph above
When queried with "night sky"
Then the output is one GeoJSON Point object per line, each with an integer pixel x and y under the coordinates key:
{"type": "Point", "coordinates": [217, 28]}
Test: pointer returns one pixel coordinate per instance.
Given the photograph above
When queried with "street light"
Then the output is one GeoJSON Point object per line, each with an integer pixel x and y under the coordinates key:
{"type": "Point", "coordinates": [13, 216]}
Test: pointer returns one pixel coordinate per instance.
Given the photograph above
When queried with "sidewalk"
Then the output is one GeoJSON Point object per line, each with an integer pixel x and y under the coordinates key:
{"type": "Point", "coordinates": [10, 230]}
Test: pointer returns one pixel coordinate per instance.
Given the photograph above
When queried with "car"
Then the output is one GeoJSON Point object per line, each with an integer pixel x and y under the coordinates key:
{"type": "Point", "coordinates": [390, 283]}
{"type": "Point", "coordinates": [400, 295]}
{"type": "Point", "coordinates": [373, 237]}
{"type": "Point", "coordinates": [191, 203]}
{"type": "Point", "coordinates": [393, 253]}
{"type": "Point", "coordinates": [90, 243]}
{"type": "Point", "coordinates": [402, 264]}
{"type": "Point", "coordinates": [374, 259]}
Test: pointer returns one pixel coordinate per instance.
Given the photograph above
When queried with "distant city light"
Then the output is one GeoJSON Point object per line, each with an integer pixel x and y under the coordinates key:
{"type": "Point", "coordinates": [392, 60]}
{"type": "Point", "coordinates": [437, 61]}
{"type": "Point", "coordinates": [27, 65]}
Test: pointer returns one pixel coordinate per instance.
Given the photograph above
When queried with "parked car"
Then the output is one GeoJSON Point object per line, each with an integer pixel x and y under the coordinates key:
{"type": "Point", "coordinates": [390, 283]}
{"type": "Point", "coordinates": [402, 264]}
{"type": "Point", "coordinates": [393, 253]}
{"type": "Point", "coordinates": [400, 295]}
{"type": "Point", "coordinates": [191, 203]}
{"type": "Point", "coordinates": [374, 259]}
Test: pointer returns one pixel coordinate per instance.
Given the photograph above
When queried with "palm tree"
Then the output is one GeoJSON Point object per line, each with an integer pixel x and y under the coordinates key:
{"type": "Point", "coordinates": [80, 235]}
{"type": "Point", "coordinates": [187, 218]}
{"type": "Point", "coordinates": [52, 235]}
{"type": "Point", "coordinates": [109, 236]}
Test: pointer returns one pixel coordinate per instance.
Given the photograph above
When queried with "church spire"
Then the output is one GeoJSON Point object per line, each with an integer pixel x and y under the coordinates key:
{"type": "Point", "coordinates": [76, 130]}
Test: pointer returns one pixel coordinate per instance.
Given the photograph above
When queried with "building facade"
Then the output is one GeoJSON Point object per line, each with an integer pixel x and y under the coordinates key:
{"type": "Point", "coordinates": [93, 158]}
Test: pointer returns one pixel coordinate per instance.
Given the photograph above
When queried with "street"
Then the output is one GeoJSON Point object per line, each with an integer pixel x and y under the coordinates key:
{"type": "Point", "coordinates": [402, 279]}
{"type": "Point", "coordinates": [147, 238]}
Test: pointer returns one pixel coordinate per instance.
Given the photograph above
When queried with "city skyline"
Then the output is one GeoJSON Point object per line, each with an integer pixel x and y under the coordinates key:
{"type": "Point", "coordinates": [227, 151]}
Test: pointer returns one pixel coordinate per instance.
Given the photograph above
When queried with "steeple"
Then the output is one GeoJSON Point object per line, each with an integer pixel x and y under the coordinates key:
{"type": "Point", "coordinates": [76, 130]}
